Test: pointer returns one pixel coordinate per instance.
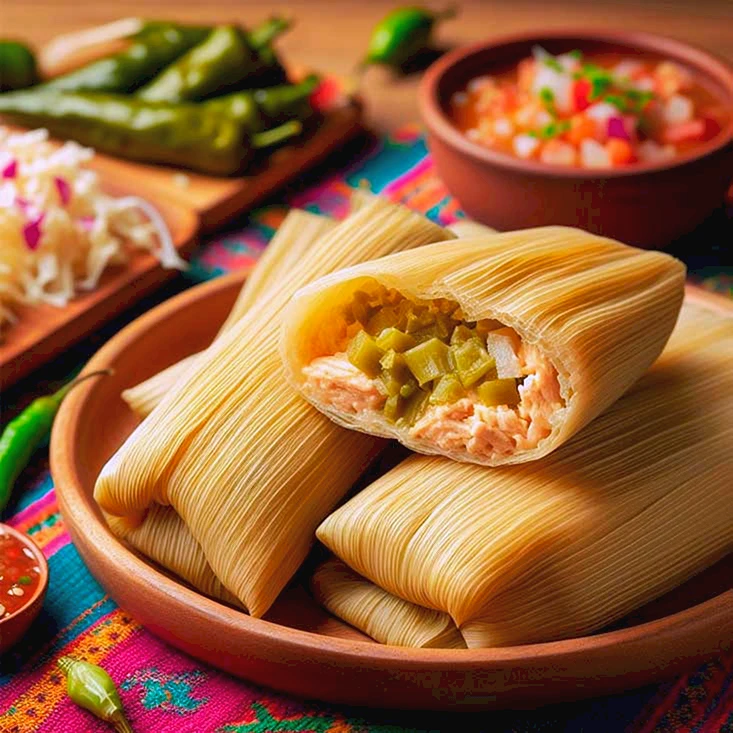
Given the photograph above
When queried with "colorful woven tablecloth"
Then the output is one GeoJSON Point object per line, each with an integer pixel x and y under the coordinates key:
{"type": "Point", "coordinates": [164, 690]}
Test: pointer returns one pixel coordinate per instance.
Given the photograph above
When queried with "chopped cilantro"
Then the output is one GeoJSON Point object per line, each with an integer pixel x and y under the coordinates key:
{"type": "Point", "coordinates": [554, 64]}
{"type": "Point", "coordinates": [547, 95]}
{"type": "Point", "coordinates": [576, 53]}
{"type": "Point", "coordinates": [617, 101]}
{"type": "Point", "coordinates": [532, 133]}
{"type": "Point", "coordinates": [553, 129]}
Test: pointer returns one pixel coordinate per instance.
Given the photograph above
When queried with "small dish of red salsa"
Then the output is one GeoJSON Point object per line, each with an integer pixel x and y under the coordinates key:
{"type": "Point", "coordinates": [600, 110]}
{"type": "Point", "coordinates": [20, 573]}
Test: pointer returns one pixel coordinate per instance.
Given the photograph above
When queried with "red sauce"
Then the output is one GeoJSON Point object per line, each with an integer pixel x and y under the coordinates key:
{"type": "Point", "coordinates": [19, 574]}
{"type": "Point", "coordinates": [592, 111]}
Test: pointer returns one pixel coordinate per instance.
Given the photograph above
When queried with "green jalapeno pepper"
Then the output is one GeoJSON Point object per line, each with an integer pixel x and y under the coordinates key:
{"type": "Point", "coordinates": [17, 66]}
{"type": "Point", "coordinates": [91, 688]}
{"type": "Point", "coordinates": [25, 433]}
{"type": "Point", "coordinates": [184, 135]}
{"type": "Point", "coordinates": [402, 34]}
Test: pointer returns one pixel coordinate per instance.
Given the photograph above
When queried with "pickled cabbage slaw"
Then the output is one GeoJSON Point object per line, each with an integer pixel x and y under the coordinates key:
{"type": "Point", "coordinates": [59, 232]}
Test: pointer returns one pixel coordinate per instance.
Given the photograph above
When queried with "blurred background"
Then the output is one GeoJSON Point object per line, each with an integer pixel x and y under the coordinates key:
{"type": "Point", "coordinates": [330, 35]}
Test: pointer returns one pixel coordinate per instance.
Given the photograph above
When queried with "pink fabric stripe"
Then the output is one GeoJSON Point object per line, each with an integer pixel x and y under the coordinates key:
{"type": "Point", "coordinates": [35, 508]}
{"type": "Point", "coordinates": [56, 544]}
{"type": "Point", "coordinates": [417, 170]}
{"type": "Point", "coordinates": [191, 701]}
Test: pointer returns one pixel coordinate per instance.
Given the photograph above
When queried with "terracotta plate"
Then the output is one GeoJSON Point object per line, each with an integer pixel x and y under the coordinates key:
{"type": "Point", "coordinates": [299, 648]}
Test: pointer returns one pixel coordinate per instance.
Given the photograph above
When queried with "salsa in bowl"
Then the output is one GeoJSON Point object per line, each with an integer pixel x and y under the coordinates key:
{"type": "Point", "coordinates": [625, 134]}
{"type": "Point", "coordinates": [23, 583]}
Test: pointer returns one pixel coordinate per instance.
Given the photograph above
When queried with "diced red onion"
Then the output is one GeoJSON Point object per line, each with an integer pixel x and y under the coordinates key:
{"type": "Point", "coordinates": [617, 128]}
{"type": "Point", "coordinates": [64, 189]}
{"type": "Point", "coordinates": [23, 204]}
{"type": "Point", "coordinates": [32, 232]}
{"type": "Point", "coordinates": [10, 169]}
{"type": "Point", "coordinates": [86, 223]}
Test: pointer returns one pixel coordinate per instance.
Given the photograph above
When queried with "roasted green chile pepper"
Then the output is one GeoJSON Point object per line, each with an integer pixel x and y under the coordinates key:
{"type": "Point", "coordinates": [184, 135]}
{"type": "Point", "coordinates": [220, 63]}
{"type": "Point", "coordinates": [17, 66]}
{"type": "Point", "coordinates": [258, 108]}
{"type": "Point", "coordinates": [91, 688]}
{"type": "Point", "coordinates": [124, 72]}
{"type": "Point", "coordinates": [402, 34]}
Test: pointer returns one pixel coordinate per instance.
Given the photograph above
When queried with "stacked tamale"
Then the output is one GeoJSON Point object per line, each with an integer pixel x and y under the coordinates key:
{"type": "Point", "coordinates": [619, 488]}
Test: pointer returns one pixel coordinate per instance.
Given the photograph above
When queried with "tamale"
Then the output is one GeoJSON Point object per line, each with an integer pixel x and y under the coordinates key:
{"type": "Point", "coordinates": [161, 534]}
{"type": "Point", "coordinates": [164, 538]}
{"type": "Point", "coordinates": [491, 350]}
{"type": "Point", "coordinates": [249, 466]}
{"type": "Point", "coordinates": [636, 504]}
{"type": "Point", "coordinates": [295, 234]}
{"type": "Point", "coordinates": [384, 617]}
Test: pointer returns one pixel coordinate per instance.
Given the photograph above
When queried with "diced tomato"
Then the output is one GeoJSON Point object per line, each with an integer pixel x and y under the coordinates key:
{"type": "Point", "coordinates": [581, 128]}
{"type": "Point", "coordinates": [691, 131]}
{"type": "Point", "coordinates": [581, 94]}
{"type": "Point", "coordinates": [620, 151]}
{"type": "Point", "coordinates": [525, 73]}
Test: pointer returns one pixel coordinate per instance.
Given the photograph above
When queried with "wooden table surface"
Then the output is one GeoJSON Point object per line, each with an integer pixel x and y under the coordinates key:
{"type": "Point", "coordinates": [331, 36]}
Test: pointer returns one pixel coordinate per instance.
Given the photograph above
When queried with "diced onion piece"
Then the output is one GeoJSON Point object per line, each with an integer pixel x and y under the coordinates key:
{"type": "Point", "coordinates": [63, 188]}
{"type": "Point", "coordinates": [557, 152]}
{"type": "Point", "coordinates": [594, 155]}
{"type": "Point", "coordinates": [525, 146]}
{"type": "Point", "coordinates": [503, 345]}
{"type": "Point", "coordinates": [627, 69]}
{"type": "Point", "coordinates": [503, 127]}
{"type": "Point", "coordinates": [616, 127]}
{"type": "Point", "coordinates": [652, 152]}
{"type": "Point", "coordinates": [678, 109]}
{"type": "Point", "coordinates": [10, 169]}
{"type": "Point", "coordinates": [32, 232]}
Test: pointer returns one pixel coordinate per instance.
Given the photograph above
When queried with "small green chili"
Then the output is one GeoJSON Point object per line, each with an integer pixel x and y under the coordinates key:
{"type": "Point", "coordinates": [90, 687]}
{"type": "Point", "coordinates": [403, 33]}
{"type": "Point", "coordinates": [26, 432]}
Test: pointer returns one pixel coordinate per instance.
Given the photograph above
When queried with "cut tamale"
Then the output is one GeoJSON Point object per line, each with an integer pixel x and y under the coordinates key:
{"type": "Point", "coordinates": [634, 505]}
{"type": "Point", "coordinates": [297, 232]}
{"type": "Point", "coordinates": [491, 350]}
{"type": "Point", "coordinates": [384, 617]}
{"type": "Point", "coordinates": [249, 466]}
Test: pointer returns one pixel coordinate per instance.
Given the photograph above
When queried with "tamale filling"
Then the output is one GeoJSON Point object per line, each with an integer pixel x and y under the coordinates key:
{"type": "Point", "coordinates": [462, 385]}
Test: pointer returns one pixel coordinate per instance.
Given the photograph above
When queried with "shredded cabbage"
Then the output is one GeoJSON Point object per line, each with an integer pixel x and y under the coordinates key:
{"type": "Point", "coordinates": [59, 232]}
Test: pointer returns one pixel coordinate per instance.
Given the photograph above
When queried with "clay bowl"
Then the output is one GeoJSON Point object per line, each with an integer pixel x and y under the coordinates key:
{"type": "Point", "coordinates": [14, 626]}
{"type": "Point", "coordinates": [298, 647]}
{"type": "Point", "coordinates": [646, 204]}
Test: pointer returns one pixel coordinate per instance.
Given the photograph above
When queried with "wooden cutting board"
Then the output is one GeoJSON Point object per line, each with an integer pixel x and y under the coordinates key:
{"type": "Point", "coordinates": [190, 203]}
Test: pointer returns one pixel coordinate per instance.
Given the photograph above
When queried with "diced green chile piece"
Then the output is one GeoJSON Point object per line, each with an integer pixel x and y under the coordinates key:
{"type": "Point", "coordinates": [393, 338]}
{"type": "Point", "coordinates": [498, 392]}
{"type": "Point", "coordinates": [460, 334]}
{"type": "Point", "coordinates": [429, 360]}
{"type": "Point", "coordinates": [365, 355]}
{"type": "Point", "coordinates": [414, 407]}
{"type": "Point", "coordinates": [394, 407]}
{"type": "Point", "coordinates": [472, 361]}
{"type": "Point", "coordinates": [448, 390]}
{"type": "Point", "coordinates": [418, 320]}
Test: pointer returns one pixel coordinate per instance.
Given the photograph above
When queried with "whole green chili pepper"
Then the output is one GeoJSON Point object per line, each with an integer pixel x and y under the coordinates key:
{"type": "Point", "coordinates": [91, 688]}
{"type": "Point", "coordinates": [25, 433]}
{"type": "Point", "coordinates": [401, 34]}
{"type": "Point", "coordinates": [261, 36]}
{"type": "Point", "coordinates": [257, 108]}
{"type": "Point", "coordinates": [17, 66]}
{"type": "Point", "coordinates": [223, 61]}
{"type": "Point", "coordinates": [148, 54]}
{"type": "Point", "coordinates": [184, 135]}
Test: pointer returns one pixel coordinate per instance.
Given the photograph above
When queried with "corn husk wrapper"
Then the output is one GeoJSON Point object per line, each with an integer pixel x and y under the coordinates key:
{"type": "Point", "coordinates": [467, 229]}
{"type": "Point", "coordinates": [598, 310]}
{"type": "Point", "coordinates": [249, 466]}
{"type": "Point", "coordinates": [384, 617]}
{"type": "Point", "coordinates": [632, 507]}
{"type": "Point", "coordinates": [162, 535]}
{"type": "Point", "coordinates": [296, 233]}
